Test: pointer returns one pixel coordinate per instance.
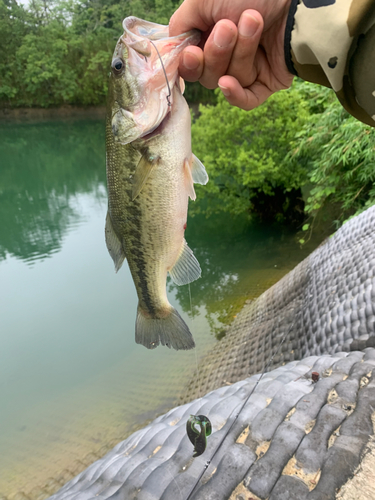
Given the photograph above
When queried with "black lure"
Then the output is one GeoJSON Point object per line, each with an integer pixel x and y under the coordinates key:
{"type": "Point", "coordinates": [198, 437]}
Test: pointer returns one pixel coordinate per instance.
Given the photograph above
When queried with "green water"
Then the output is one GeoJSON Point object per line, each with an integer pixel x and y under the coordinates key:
{"type": "Point", "coordinates": [72, 380]}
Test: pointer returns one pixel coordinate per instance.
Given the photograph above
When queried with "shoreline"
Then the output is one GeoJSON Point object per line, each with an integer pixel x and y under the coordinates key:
{"type": "Point", "coordinates": [29, 115]}
{"type": "Point", "coordinates": [37, 115]}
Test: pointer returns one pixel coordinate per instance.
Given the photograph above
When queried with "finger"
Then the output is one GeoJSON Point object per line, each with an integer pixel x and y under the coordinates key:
{"type": "Point", "coordinates": [191, 64]}
{"type": "Point", "coordinates": [244, 98]}
{"type": "Point", "coordinates": [250, 28]}
{"type": "Point", "coordinates": [217, 52]}
{"type": "Point", "coordinates": [190, 14]}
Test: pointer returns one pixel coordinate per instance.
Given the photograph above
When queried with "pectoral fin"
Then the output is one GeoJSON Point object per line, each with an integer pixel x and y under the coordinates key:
{"type": "Point", "coordinates": [186, 268]}
{"type": "Point", "coordinates": [113, 244]}
{"type": "Point", "coordinates": [198, 171]}
{"type": "Point", "coordinates": [189, 181]}
{"type": "Point", "coordinates": [142, 172]}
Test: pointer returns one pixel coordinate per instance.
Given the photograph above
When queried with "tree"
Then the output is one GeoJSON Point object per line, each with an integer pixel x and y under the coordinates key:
{"type": "Point", "coordinates": [245, 157]}
{"type": "Point", "coordinates": [59, 51]}
{"type": "Point", "coordinates": [339, 154]}
{"type": "Point", "coordinates": [14, 25]}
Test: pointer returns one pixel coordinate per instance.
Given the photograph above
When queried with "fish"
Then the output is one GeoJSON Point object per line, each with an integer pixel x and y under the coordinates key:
{"type": "Point", "coordinates": [151, 172]}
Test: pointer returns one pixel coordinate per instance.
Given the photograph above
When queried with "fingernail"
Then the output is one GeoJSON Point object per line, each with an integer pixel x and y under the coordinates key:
{"type": "Point", "coordinates": [190, 61]}
{"type": "Point", "coordinates": [248, 25]}
{"type": "Point", "coordinates": [225, 91]}
{"type": "Point", "coordinates": [223, 36]}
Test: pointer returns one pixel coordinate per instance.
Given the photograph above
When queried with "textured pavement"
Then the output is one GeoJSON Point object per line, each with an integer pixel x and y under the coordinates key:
{"type": "Point", "coordinates": [309, 421]}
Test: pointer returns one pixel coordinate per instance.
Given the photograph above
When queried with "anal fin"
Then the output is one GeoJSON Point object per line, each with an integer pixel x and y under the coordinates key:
{"type": "Point", "coordinates": [186, 268]}
{"type": "Point", "coordinates": [113, 244]}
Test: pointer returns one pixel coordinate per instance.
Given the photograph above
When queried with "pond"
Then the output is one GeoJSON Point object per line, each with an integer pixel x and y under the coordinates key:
{"type": "Point", "coordinates": [72, 380]}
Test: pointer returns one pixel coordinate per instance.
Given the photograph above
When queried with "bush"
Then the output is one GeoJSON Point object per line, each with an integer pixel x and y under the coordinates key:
{"type": "Point", "coordinates": [339, 153]}
{"type": "Point", "coordinates": [245, 155]}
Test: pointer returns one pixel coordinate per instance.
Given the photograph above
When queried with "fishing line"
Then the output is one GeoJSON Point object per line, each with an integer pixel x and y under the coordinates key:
{"type": "Point", "coordinates": [165, 74]}
{"type": "Point", "coordinates": [179, 489]}
{"type": "Point", "coordinates": [238, 413]}
{"type": "Point", "coordinates": [191, 306]}
{"type": "Point", "coordinates": [195, 350]}
{"type": "Point", "coordinates": [196, 358]}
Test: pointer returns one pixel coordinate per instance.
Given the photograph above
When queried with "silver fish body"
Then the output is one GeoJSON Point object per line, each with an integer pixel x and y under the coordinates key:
{"type": "Point", "coordinates": [150, 175]}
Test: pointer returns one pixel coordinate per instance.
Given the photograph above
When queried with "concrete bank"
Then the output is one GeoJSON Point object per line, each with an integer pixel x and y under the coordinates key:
{"type": "Point", "coordinates": [308, 424]}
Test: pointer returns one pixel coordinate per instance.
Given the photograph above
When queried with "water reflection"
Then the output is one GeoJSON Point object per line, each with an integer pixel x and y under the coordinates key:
{"type": "Point", "coordinates": [43, 167]}
{"type": "Point", "coordinates": [239, 260]}
{"type": "Point", "coordinates": [72, 379]}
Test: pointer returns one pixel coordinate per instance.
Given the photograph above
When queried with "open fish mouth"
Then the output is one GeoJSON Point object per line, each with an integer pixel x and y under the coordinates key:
{"type": "Point", "coordinates": [145, 37]}
{"type": "Point", "coordinates": [139, 30]}
{"type": "Point", "coordinates": [146, 59]}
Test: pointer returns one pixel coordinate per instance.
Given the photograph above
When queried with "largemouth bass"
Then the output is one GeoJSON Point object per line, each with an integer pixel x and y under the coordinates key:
{"type": "Point", "coordinates": [150, 175]}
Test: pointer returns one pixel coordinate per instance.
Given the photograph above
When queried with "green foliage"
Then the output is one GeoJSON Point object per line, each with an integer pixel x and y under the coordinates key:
{"type": "Point", "coordinates": [59, 52]}
{"type": "Point", "coordinates": [301, 138]}
{"type": "Point", "coordinates": [339, 153]}
{"type": "Point", "coordinates": [245, 153]}
{"type": "Point", "coordinates": [13, 27]}
{"type": "Point", "coordinates": [196, 94]}
{"type": "Point", "coordinates": [42, 57]}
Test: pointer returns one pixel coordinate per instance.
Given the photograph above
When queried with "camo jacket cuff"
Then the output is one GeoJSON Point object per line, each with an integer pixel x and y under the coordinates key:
{"type": "Point", "coordinates": [332, 43]}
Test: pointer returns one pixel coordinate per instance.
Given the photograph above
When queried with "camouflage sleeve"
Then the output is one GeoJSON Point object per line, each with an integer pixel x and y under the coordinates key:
{"type": "Point", "coordinates": [332, 43]}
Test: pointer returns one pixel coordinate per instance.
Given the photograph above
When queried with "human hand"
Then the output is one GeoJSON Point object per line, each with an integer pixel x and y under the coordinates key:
{"type": "Point", "coordinates": [242, 47]}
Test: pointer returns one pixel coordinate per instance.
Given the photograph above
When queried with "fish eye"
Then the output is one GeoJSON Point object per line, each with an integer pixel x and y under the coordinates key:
{"type": "Point", "coordinates": [117, 65]}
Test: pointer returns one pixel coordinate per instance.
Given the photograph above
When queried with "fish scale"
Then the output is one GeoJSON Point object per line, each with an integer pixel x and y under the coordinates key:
{"type": "Point", "coordinates": [128, 221]}
{"type": "Point", "coordinates": [150, 174]}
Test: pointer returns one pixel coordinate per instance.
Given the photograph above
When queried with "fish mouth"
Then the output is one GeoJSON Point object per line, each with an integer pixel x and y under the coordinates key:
{"type": "Point", "coordinates": [152, 60]}
{"type": "Point", "coordinates": [138, 30]}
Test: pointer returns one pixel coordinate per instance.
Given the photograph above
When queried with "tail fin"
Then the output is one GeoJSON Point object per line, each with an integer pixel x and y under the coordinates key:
{"type": "Point", "coordinates": [171, 331]}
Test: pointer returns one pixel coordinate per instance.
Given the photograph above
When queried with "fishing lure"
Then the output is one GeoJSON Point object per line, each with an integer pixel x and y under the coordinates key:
{"type": "Point", "coordinates": [198, 437]}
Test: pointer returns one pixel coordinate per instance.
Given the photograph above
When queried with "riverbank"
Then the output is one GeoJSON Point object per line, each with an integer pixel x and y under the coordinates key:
{"type": "Point", "coordinates": [31, 115]}
{"type": "Point", "coordinates": [34, 115]}
{"type": "Point", "coordinates": [266, 327]}
{"type": "Point", "coordinates": [76, 381]}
